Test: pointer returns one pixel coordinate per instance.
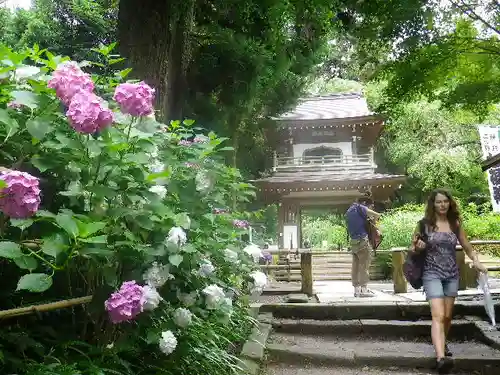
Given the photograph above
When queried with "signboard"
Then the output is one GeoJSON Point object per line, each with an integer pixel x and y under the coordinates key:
{"type": "Point", "coordinates": [490, 145]}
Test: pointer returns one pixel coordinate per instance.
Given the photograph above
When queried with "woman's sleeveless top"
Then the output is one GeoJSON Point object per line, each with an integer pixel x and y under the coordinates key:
{"type": "Point", "coordinates": [441, 257]}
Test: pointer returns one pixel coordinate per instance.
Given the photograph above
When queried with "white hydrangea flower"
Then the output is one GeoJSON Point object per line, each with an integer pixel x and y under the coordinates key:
{"type": "Point", "coordinates": [230, 256]}
{"type": "Point", "coordinates": [259, 282]}
{"type": "Point", "coordinates": [182, 317]}
{"type": "Point", "coordinates": [159, 190]}
{"type": "Point", "coordinates": [157, 275]}
{"type": "Point", "coordinates": [150, 299]}
{"type": "Point", "coordinates": [214, 296]}
{"type": "Point", "coordinates": [157, 166]}
{"type": "Point", "coordinates": [177, 236]}
{"type": "Point", "coordinates": [154, 152]}
{"type": "Point", "coordinates": [254, 251]}
{"type": "Point", "coordinates": [206, 269]}
{"type": "Point", "coordinates": [188, 299]}
{"type": "Point", "coordinates": [168, 342]}
{"type": "Point", "coordinates": [203, 181]}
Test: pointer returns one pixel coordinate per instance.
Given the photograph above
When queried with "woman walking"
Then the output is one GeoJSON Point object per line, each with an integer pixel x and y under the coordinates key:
{"type": "Point", "coordinates": [443, 230]}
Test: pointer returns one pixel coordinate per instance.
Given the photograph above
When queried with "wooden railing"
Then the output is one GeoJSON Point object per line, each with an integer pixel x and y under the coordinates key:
{"type": "Point", "coordinates": [468, 275]}
{"type": "Point", "coordinates": [340, 163]}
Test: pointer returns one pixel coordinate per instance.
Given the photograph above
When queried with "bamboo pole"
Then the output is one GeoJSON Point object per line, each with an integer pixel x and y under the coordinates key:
{"type": "Point", "coordinates": [11, 313]}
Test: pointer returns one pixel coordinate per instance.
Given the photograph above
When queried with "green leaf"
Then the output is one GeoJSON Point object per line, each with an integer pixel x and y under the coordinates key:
{"type": "Point", "coordinates": [125, 72]}
{"type": "Point", "coordinates": [66, 222]}
{"type": "Point", "coordinates": [38, 127]}
{"type": "Point", "coordinates": [102, 191]}
{"type": "Point", "coordinates": [175, 259]}
{"type": "Point", "coordinates": [26, 98]}
{"type": "Point", "coordinates": [100, 251]}
{"type": "Point", "coordinates": [44, 213]}
{"type": "Point", "coordinates": [188, 248]}
{"type": "Point", "coordinates": [10, 250]}
{"type": "Point", "coordinates": [54, 245]}
{"type": "Point", "coordinates": [182, 220]}
{"type": "Point", "coordinates": [11, 124]}
{"type": "Point", "coordinates": [188, 122]}
{"type": "Point", "coordinates": [21, 223]}
{"type": "Point", "coordinates": [87, 229]}
{"type": "Point", "coordinates": [43, 163]}
{"type": "Point", "coordinates": [98, 239]}
{"type": "Point", "coordinates": [35, 282]}
{"type": "Point", "coordinates": [3, 184]}
{"type": "Point", "coordinates": [27, 71]}
{"type": "Point", "coordinates": [26, 262]}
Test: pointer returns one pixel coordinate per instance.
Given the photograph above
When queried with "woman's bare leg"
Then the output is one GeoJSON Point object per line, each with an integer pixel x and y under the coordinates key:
{"type": "Point", "coordinates": [438, 326]}
{"type": "Point", "coordinates": [449, 302]}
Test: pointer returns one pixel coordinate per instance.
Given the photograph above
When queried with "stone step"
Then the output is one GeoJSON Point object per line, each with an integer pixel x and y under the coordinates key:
{"type": "Point", "coordinates": [400, 329]}
{"type": "Point", "coordinates": [307, 369]}
{"type": "Point", "coordinates": [360, 351]}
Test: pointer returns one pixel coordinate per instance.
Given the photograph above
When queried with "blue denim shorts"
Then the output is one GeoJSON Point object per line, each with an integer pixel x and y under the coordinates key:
{"type": "Point", "coordinates": [440, 288]}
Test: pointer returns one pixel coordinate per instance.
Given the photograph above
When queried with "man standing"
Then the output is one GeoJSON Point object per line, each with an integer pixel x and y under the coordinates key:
{"type": "Point", "coordinates": [356, 217]}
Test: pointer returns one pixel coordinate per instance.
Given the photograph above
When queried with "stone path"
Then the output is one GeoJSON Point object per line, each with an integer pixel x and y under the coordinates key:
{"type": "Point", "coordinates": [342, 291]}
{"type": "Point", "coordinates": [329, 292]}
{"type": "Point", "coordinates": [307, 369]}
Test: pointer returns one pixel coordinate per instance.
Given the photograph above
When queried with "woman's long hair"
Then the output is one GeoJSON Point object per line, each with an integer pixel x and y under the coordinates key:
{"type": "Point", "coordinates": [453, 214]}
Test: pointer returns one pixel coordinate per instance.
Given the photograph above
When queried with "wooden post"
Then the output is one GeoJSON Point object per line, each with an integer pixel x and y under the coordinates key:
{"type": "Point", "coordinates": [306, 272]}
{"type": "Point", "coordinates": [471, 276]}
{"type": "Point", "coordinates": [398, 277]}
{"type": "Point", "coordinates": [462, 269]}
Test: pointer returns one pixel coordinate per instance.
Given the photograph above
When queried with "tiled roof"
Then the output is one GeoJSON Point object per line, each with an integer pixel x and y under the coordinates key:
{"type": "Point", "coordinates": [335, 106]}
{"type": "Point", "coordinates": [328, 177]}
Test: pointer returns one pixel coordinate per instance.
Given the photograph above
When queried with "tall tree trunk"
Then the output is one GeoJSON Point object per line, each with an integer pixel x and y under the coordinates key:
{"type": "Point", "coordinates": [179, 57]}
{"type": "Point", "coordinates": [144, 38]}
{"type": "Point", "coordinates": [155, 38]}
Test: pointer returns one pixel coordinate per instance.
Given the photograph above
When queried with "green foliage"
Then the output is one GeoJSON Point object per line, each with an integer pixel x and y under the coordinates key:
{"type": "Point", "coordinates": [68, 28]}
{"type": "Point", "coordinates": [459, 65]}
{"type": "Point", "coordinates": [434, 146]}
{"type": "Point", "coordinates": [109, 202]}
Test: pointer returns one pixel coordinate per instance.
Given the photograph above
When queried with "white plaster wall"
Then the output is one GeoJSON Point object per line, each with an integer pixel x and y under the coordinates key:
{"type": "Point", "coordinates": [290, 232]}
{"type": "Point", "coordinates": [346, 147]}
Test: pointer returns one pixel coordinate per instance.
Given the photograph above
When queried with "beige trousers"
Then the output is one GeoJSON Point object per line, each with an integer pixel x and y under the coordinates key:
{"type": "Point", "coordinates": [361, 260]}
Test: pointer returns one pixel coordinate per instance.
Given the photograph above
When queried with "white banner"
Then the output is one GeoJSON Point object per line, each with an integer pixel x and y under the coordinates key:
{"type": "Point", "coordinates": [490, 145]}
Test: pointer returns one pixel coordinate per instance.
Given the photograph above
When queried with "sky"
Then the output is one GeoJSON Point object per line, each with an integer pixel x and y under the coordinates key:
{"type": "Point", "coordinates": [18, 4]}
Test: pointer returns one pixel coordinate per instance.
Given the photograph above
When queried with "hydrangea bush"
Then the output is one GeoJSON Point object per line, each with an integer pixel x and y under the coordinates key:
{"type": "Point", "coordinates": [98, 198]}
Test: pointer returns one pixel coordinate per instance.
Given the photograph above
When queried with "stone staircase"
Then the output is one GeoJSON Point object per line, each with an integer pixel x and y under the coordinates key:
{"type": "Point", "coordinates": [372, 347]}
{"type": "Point", "coordinates": [326, 266]}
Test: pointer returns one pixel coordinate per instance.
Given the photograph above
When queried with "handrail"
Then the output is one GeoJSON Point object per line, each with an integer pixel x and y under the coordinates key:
{"type": "Point", "coordinates": [391, 250]}
{"type": "Point", "coordinates": [468, 275]}
{"type": "Point", "coordinates": [287, 161]}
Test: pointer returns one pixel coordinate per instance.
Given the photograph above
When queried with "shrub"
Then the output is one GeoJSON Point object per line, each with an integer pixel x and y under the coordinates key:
{"type": "Point", "coordinates": [113, 204]}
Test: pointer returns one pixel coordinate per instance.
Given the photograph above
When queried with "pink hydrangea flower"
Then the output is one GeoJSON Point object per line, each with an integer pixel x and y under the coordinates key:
{"type": "Point", "coordinates": [126, 303]}
{"type": "Point", "coordinates": [68, 79]}
{"type": "Point", "coordinates": [14, 105]}
{"type": "Point", "coordinates": [135, 99]}
{"type": "Point", "coordinates": [88, 114]}
{"type": "Point", "coordinates": [21, 197]}
{"type": "Point", "coordinates": [188, 164]}
{"type": "Point", "coordinates": [241, 223]}
{"type": "Point", "coordinates": [200, 139]}
{"type": "Point", "coordinates": [184, 142]}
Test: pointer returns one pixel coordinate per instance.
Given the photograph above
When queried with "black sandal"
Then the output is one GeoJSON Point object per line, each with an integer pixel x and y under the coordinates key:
{"type": "Point", "coordinates": [444, 365]}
